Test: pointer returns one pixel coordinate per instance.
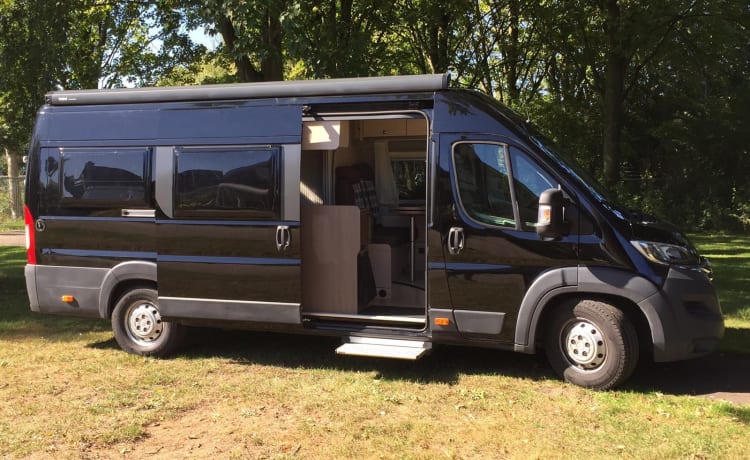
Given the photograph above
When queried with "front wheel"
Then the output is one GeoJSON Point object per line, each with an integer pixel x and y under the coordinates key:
{"type": "Point", "coordinates": [592, 344]}
{"type": "Point", "coordinates": [139, 328]}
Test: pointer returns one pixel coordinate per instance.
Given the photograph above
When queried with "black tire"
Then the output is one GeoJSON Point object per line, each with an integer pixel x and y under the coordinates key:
{"type": "Point", "coordinates": [138, 328]}
{"type": "Point", "coordinates": [591, 344]}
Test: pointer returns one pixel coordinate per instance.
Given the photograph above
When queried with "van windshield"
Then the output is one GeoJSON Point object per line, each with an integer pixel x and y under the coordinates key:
{"type": "Point", "coordinates": [571, 166]}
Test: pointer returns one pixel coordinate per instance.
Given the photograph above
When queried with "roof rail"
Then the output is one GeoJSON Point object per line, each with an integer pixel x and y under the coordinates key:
{"type": "Point", "coordinates": [301, 88]}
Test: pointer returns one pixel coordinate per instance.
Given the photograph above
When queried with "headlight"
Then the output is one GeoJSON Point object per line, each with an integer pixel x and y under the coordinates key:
{"type": "Point", "coordinates": [663, 253]}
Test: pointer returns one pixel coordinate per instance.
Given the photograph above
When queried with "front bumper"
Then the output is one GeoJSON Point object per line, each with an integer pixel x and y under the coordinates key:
{"type": "Point", "coordinates": [690, 315]}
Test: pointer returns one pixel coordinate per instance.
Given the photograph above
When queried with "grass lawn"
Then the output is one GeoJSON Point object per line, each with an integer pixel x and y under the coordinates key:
{"type": "Point", "coordinates": [68, 392]}
{"type": "Point", "coordinates": [730, 257]}
{"type": "Point", "coordinates": [6, 224]}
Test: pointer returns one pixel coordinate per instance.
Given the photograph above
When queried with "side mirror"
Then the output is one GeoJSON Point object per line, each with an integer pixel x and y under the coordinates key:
{"type": "Point", "coordinates": [550, 223]}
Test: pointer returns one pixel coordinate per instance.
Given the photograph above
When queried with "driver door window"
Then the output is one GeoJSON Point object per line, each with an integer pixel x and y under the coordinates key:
{"type": "Point", "coordinates": [529, 181]}
{"type": "Point", "coordinates": [483, 172]}
{"type": "Point", "coordinates": [483, 183]}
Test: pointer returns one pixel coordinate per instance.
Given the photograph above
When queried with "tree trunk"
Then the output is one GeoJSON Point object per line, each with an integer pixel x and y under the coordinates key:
{"type": "Point", "coordinates": [613, 119]}
{"type": "Point", "coordinates": [344, 39]}
{"type": "Point", "coordinates": [440, 26]}
{"type": "Point", "coordinates": [246, 71]}
{"type": "Point", "coordinates": [272, 63]}
{"type": "Point", "coordinates": [14, 193]}
{"type": "Point", "coordinates": [614, 92]}
{"type": "Point", "coordinates": [512, 54]}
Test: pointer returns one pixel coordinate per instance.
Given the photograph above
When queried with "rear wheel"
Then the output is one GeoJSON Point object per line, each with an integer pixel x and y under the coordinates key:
{"type": "Point", "coordinates": [139, 328]}
{"type": "Point", "coordinates": [592, 344]}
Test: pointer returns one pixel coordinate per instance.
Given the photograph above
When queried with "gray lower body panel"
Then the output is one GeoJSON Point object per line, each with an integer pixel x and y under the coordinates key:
{"type": "Point", "coordinates": [46, 284]}
{"type": "Point", "coordinates": [230, 310]}
{"type": "Point", "coordinates": [690, 316]}
{"type": "Point", "coordinates": [479, 322]}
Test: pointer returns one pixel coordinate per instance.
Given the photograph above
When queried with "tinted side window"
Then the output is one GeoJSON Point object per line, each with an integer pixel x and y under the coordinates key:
{"type": "Point", "coordinates": [483, 183]}
{"type": "Point", "coordinates": [410, 178]}
{"type": "Point", "coordinates": [49, 179]}
{"type": "Point", "coordinates": [529, 181]}
{"type": "Point", "coordinates": [103, 177]}
{"type": "Point", "coordinates": [227, 182]}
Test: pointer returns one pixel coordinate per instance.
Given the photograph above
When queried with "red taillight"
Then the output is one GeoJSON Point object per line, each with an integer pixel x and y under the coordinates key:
{"type": "Point", "coordinates": [30, 243]}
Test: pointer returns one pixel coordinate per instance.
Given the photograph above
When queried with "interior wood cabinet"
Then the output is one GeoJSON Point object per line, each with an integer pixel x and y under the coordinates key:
{"type": "Point", "coordinates": [331, 240]}
{"type": "Point", "coordinates": [400, 127]}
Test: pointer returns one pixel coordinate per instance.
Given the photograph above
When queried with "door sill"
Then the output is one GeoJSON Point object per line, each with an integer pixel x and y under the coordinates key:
{"type": "Point", "coordinates": [368, 318]}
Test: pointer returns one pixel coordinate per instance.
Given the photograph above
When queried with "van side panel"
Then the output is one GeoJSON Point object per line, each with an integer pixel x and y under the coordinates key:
{"type": "Point", "coordinates": [94, 241]}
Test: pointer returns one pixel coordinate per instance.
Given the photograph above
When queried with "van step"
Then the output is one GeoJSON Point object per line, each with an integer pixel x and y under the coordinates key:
{"type": "Point", "coordinates": [384, 348]}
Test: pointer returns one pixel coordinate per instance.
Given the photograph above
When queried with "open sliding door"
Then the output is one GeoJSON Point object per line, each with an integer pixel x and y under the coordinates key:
{"type": "Point", "coordinates": [228, 217]}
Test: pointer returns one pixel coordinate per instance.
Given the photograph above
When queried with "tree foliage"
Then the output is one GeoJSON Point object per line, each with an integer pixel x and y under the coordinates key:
{"type": "Point", "coordinates": [111, 44]}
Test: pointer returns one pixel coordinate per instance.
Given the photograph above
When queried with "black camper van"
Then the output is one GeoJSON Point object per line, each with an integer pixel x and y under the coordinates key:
{"type": "Point", "coordinates": [394, 212]}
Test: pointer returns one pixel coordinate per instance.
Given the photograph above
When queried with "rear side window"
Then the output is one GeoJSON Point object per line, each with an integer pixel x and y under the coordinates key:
{"type": "Point", "coordinates": [104, 177]}
{"type": "Point", "coordinates": [233, 181]}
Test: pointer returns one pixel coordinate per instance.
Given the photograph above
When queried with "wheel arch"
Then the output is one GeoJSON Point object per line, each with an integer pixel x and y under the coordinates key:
{"type": "Point", "coordinates": [620, 288]}
{"type": "Point", "coordinates": [120, 279]}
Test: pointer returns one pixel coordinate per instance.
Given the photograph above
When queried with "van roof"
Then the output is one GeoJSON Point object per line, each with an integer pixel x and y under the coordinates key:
{"type": "Point", "coordinates": [301, 88]}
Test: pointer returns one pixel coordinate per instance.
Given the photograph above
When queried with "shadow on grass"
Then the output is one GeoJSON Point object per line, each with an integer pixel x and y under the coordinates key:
{"type": "Point", "coordinates": [736, 340]}
{"type": "Point", "coordinates": [443, 365]}
{"type": "Point", "coordinates": [725, 375]}
{"type": "Point", "coordinates": [109, 344]}
{"type": "Point", "coordinates": [717, 373]}
{"type": "Point", "coordinates": [742, 414]}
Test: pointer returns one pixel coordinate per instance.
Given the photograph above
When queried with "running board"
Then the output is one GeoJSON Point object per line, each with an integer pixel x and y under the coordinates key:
{"type": "Point", "coordinates": [384, 348]}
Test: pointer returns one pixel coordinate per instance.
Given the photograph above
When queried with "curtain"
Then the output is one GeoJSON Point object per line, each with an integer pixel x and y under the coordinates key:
{"type": "Point", "coordinates": [385, 183]}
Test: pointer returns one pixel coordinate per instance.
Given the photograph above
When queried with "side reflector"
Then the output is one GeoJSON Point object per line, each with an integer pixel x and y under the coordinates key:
{"type": "Point", "coordinates": [67, 298]}
{"type": "Point", "coordinates": [442, 322]}
{"type": "Point", "coordinates": [28, 222]}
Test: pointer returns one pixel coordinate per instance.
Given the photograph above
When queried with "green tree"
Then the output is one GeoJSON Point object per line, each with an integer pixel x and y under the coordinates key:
{"type": "Point", "coordinates": [433, 31]}
{"type": "Point", "coordinates": [111, 44]}
{"type": "Point", "coordinates": [30, 59]}
{"type": "Point", "coordinates": [611, 42]}
{"type": "Point", "coordinates": [688, 113]}
{"type": "Point", "coordinates": [505, 51]}
{"type": "Point", "coordinates": [342, 38]}
{"type": "Point", "coordinates": [251, 33]}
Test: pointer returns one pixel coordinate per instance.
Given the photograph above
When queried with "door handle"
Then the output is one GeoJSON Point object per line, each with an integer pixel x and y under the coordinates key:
{"type": "Point", "coordinates": [283, 237]}
{"type": "Point", "coordinates": [455, 240]}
